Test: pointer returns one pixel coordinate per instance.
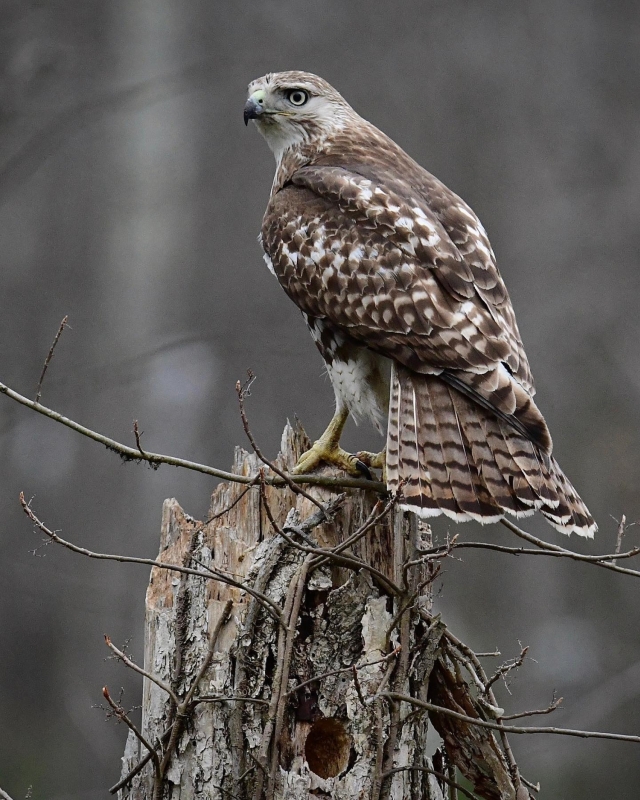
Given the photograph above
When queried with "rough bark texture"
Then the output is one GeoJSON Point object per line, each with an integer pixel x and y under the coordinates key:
{"type": "Point", "coordinates": [334, 737]}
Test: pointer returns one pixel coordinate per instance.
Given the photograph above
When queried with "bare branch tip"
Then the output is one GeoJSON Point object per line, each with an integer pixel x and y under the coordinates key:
{"type": "Point", "coordinates": [47, 361]}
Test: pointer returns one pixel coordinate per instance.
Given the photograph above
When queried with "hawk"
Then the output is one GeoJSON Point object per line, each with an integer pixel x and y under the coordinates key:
{"type": "Point", "coordinates": [398, 284]}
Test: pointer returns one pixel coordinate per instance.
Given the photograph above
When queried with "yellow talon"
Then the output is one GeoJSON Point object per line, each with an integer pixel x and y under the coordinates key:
{"type": "Point", "coordinates": [375, 461]}
{"type": "Point", "coordinates": [327, 450]}
{"type": "Point", "coordinates": [320, 453]}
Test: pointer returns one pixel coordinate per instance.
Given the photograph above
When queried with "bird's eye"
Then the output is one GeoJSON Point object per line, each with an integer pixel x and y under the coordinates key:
{"type": "Point", "coordinates": [297, 97]}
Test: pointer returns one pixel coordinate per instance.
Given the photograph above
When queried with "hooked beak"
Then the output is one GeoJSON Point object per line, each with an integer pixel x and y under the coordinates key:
{"type": "Point", "coordinates": [252, 109]}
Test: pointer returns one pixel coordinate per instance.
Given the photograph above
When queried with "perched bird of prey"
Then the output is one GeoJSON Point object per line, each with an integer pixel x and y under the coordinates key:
{"type": "Point", "coordinates": [397, 281]}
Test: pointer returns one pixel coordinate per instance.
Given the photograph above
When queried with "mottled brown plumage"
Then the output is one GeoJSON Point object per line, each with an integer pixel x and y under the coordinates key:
{"type": "Point", "coordinates": [398, 283]}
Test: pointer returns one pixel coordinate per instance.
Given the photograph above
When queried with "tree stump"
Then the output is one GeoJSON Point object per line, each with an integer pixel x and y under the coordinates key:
{"type": "Point", "coordinates": [285, 686]}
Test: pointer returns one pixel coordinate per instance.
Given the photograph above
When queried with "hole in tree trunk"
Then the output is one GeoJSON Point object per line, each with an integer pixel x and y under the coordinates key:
{"type": "Point", "coordinates": [327, 747]}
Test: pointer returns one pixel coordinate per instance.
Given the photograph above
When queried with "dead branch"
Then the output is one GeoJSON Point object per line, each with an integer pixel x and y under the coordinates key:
{"type": "Point", "coordinates": [300, 586]}
{"type": "Point", "coordinates": [375, 518]}
{"type": "Point", "coordinates": [461, 651]}
{"type": "Point", "coordinates": [517, 551]}
{"type": "Point", "coordinates": [553, 705]}
{"type": "Point", "coordinates": [138, 434]}
{"type": "Point", "coordinates": [333, 672]}
{"type": "Point", "coordinates": [121, 714]}
{"type": "Point", "coordinates": [505, 669]}
{"type": "Point", "coordinates": [285, 643]}
{"type": "Point", "coordinates": [242, 392]}
{"type": "Point", "coordinates": [47, 360]}
{"type": "Point", "coordinates": [352, 562]}
{"type": "Point", "coordinates": [439, 775]}
{"type": "Point", "coordinates": [618, 737]}
{"type": "Point", "coordinates": [622, 529]}
{"type": "Point", "coordinates": [377, 775]}
{"type": "Point", "coordinates": [207, 659]}
{"type": "Point", "coordinates": [138, 767]}
{"type": "Point", "coordinates": [210, 574]}
{"type": "Point", "coordinates": [183, 708]}
{"type": "Point", "coordinates": [132, 665]}
{"type": "Point", "coordinates": [524, 551]}
{"type": "Point", "coordinates": [303, 529]}
{"type": "Point", "coordinates": [133, 454]}
{"type": "Point", "coordinates": [548, 548]}
{"type": "Point", "coordinates": [228, 698]}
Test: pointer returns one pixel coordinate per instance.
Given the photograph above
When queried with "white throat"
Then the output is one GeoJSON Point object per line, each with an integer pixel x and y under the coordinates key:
{"type": "Point", "coordinates": [281, 138]}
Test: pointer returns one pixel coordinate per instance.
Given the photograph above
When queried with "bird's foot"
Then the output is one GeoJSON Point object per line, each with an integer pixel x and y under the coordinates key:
{"type": "Point", "coordinates": [375, 461]}
{"type": "Point", "coordinates": [323, 452]}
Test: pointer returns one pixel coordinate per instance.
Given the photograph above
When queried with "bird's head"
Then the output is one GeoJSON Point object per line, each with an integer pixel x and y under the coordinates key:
{"type": "Point", "coordinates": [293, 108]}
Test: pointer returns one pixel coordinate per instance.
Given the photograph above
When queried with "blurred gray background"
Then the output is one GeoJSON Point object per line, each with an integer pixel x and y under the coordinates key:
{"type": "Point", "coordinates": [130, 199]}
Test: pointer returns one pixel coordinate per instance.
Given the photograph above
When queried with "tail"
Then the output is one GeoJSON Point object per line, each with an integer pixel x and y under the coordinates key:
{"type": "Point", "coordinates": [452, 456]}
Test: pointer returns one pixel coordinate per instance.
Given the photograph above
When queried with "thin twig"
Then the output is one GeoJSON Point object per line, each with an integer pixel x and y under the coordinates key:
{"type": "Point", "coordinates": [330, 554]}
{"type": "Point", "coordinates": [548, 548]}
{"type": "Point", "coordinates": [233, 504]}
{"type": "Point", "coordinates": [247, 771]}
{"type": "Point", "coordinates": [138, 434]}
{"type": "Point", "coordinates": [555, 703]}
{"type": "Point", "coordinates": [139, 766]}
{"type": "Point", "coordinates": [317, 518]}
{"type": "Point", "coordinates": [534, 786]}
{"type": "Point", "coordinates": [333, 672]}
{"type": "Point", "coordinates": [182, 708]}
{"type": "Point", "coordinates": [132, 454]}
{"type": "Point", "coordinates": [356, 684]}
{"type": "Point", "coordinates": [227, 698]}
{"type": "Point", "coordinates": [226, 610]}
{"type": "Point", "coordinates": [243, 391]}
{"type": "Point", "coordinates": [504, 669]}
{"type": "Point", "coordinates": [609, 558]}
{"type": "Point", "coordinates": [620, 535]}
{"type": "Point", "coordinates": [300, 586]}
{"type": "Point", "coordinates": [378, 513]}
{"type": "Point", "coordinates": [372, 520]}
{"type": "Point", "coordinates": [439, 775]}
{"type": "Point", "coordinates": [136, 668]}
{"type": "Point", "coordinates": [278, 684]}
{"type": "Point", "coordinates": [618, 737]}
{"type": "Point", "coordinates": [210, 574]}
{"type": "Point", "coordinates": [4, 795]}
{"type": "Point", "coordinates": [121, 714]}
{"type": "Point", "coordinates": [224, 791]}
{"type": "Point", "coordinates": [47, 360]}
{"type": "Point", "coordinates": [376, 783]}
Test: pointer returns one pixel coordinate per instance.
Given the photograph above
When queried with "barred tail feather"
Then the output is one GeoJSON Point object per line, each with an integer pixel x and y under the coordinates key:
{"type": "Point", "coordinates": [450, 455]}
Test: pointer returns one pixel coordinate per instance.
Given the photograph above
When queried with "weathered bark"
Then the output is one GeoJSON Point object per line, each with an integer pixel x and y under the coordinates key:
{"type": "Point", "coordinates": [257, 736]}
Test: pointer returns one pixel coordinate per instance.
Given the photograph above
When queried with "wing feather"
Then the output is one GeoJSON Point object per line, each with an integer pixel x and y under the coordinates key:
{"type": "Point", "coordinates": [413, 280]}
